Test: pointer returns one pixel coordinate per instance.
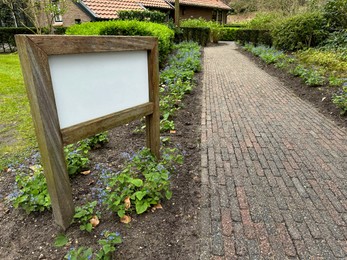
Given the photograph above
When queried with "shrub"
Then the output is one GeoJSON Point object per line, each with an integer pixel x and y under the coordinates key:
{"type": "Point", "coordinates": [264, 21]}
{"type": "Point", "coordinates": [335, 12]}
{"type": "Point", "coordinates": [300, 31]}
{"type": "Point", "coordinates": [254, 36]}
{"type": "Point", "coordinates": [215, 28]}
{"type": "Point", "coordinates": [200, 35]}
{"type": "Point", "coordinates": [131, 28]}
{"type": "Point", "coordinates": [150, 16]}
{"type": "Point", "coordinates": [228, 33]}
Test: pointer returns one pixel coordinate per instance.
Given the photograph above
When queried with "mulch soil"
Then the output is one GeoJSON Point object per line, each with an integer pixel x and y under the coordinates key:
{"type": "Point", "coordinates": [168, 233]}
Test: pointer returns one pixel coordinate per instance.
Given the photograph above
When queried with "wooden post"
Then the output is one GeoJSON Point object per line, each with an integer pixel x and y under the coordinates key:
{"type": "Point", "coordinates": [36, 76]}
{"type": "Point", "coordinates": [153, 120]}
{"type": "Point", "coordinates": [177, 13]}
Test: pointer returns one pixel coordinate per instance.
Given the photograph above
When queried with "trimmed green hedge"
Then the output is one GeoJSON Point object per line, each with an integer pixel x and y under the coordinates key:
{"type": "Point", "coordinates": [130, 28]}
{"type": "Point", "coordinates": [7, 36]}
{"type": "Point", "coordinates": [149, 16]}
{"type": "Point", "coordinates": [229, 33]}
{"type": "Point", "coordinates": [254, 36]}
{"type": "Point", "coordinates": [200, 35]}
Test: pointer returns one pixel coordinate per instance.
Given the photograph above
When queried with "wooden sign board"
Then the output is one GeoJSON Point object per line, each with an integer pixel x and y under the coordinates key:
{"type": "Point", "coordinates": [79, 86]}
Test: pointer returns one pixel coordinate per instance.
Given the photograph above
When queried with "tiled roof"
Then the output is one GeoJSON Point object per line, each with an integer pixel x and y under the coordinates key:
{"type": "Point", "coordinates": [108, 9]}
{"type": "Point", "coordinates": [204, 3]}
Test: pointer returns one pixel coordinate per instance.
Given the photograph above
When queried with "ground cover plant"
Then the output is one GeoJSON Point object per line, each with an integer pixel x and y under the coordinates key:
{"type": "Point", "coordinates": [140, 183]}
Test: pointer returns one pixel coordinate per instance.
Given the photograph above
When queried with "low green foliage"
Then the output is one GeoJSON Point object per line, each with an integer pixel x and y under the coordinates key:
{"type": "Point", "coordinates": [131, 28]}
{"type": "Point", "coordinates": [32, 194]}
{"type": "Point", "coordinates": [150, 16]}
{"type": "Point", "coordinates": [76, 158]}
{"type": "Point", "coordinates": [300, 31]}
{"type": "Point", "coordinates": [108, 245]}
{"type": "Point", "coordinates": [143, 182]}
{"type": "Point", "coordinates": [60, 240]}
{"type": "Point", "coordinates": [325, 59]}
{"type": "Point", "coordinates": [340, 100]}
{"type": "Point", "coordinates": [176, 81]}
{"type": "Point", "coordinates": [84, 214]}
{"type": "Point", "coordinates": [311, 76]}
{"type": "Point", "coordinates": [80, 253]}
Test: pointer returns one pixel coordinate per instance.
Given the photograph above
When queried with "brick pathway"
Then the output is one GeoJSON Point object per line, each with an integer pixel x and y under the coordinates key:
{"type": "Point", "coordinates": [274, 170]}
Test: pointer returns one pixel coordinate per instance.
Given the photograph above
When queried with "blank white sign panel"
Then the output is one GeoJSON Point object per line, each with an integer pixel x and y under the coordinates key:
{"type": "Point", "coordinates": [92, 85]}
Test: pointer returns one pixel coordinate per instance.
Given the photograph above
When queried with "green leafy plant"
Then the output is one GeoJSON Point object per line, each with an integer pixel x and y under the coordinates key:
{"type": "Point", "coordinates": [60, 240]}
{"type": "Point", "coordinates": [142, 183]}
{"type": "Point", "coordinates": [80, 253]}
{"type": "Point", "coordinates": [84, 214]}
{"type": "Point", "coordinates": [94, 141]}
{"type": "Point", "coordinates": [340, 100]}
{"type": "Point", "coordinates": [32, 194]}
{"type": "Point", "coordinates": [108, 245]}
{"type": "Point", "coordinates": [76, 158]}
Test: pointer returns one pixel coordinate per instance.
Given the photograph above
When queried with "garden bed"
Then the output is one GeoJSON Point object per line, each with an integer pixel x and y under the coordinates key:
{"type": "Point", "coordinates": [168, 233]}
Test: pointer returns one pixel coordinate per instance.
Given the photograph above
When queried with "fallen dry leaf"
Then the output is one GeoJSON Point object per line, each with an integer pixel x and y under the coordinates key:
{"type": "Point", "coordinates": [155, 207]}
{"type": "Point", "coordinates": [127, 202]}
{"type": "Point", "coordinates": [94, 221]}
{"type": "Point", "coordinates": [172, 131]}
{"type": "Point", "coordinates": [86, 172]}
{"type": "Point", "coordinates": [126, 219]}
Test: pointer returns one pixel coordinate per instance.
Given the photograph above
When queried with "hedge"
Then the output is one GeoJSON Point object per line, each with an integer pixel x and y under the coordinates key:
{"type": "Point", "coordinates": [149, 16]}
{"type": "Point", "coordinates": [130, 28]}
{"type": "Point", "coordinates": [254, 36]}
{"type": "Point", "coordinates": [229, 33]}
{"type": "Point", "coordinates": [200, 35]}
{"type": "Point", "coordinates": [7, 36]}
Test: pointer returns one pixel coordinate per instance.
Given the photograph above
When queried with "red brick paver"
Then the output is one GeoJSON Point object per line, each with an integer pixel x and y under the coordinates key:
{"type": "Point", "coordinates": [274, 170]}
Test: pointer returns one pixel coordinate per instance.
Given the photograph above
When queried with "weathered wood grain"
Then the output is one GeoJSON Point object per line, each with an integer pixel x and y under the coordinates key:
{"type": "Point", "coordinates": [34, 62]}
{"type": "Point", "coordinates": [89, 128]}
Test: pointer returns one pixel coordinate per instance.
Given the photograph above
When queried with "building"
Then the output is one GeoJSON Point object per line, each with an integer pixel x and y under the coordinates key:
{"type": "Point", "coordinates": [96, 10]}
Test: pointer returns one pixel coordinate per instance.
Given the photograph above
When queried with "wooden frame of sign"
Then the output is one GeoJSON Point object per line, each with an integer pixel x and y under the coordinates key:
{"type": "Point", "coordinates": [35, 53]}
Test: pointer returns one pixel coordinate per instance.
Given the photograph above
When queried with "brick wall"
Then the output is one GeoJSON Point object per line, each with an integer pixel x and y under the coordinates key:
{"type": "Point", "coordinates": [74, 12]}
{"type": "Point", "coordinates": [187, 12]}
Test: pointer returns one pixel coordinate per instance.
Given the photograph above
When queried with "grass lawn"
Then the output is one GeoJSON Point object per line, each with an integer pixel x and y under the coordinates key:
{"type": "Point", "coordinates": [17, 138]}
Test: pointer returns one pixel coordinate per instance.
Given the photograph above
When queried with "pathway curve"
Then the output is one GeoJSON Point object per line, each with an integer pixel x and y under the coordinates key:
{"type": "Point", "coordinates": [274, 170]}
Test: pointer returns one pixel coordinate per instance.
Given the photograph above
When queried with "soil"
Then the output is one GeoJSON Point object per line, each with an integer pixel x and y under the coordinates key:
{"type": "Point", "coordinates": [168, 233]}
